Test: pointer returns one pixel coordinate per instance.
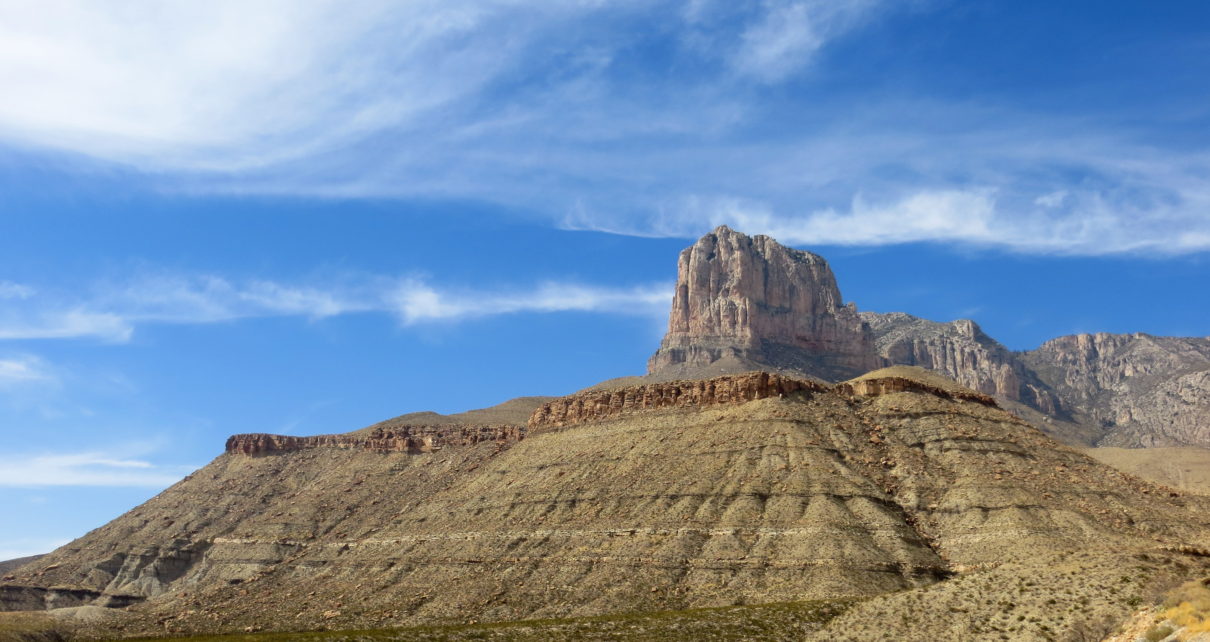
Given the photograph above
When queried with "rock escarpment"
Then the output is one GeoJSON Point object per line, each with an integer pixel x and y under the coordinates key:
{"type": "Point", "coordinates": [599, 405]}
{"type": "Point", "coordinates": [1142, 390]}
{"type": "Point", "coordinates": [402, 439]}
{"type": "Point", "coordinates": [961, 350]}
{"type": "Point", "coordinates": [746, 301]}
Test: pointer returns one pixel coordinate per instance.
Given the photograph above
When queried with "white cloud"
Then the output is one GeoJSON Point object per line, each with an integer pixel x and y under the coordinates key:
{"type": "Point", "coordinates": [417, 302]}
{"type": "Point", "coordinates": [10, 290]}
{"type": "Point", "coordinates": [1053, 199]}
{"type": "Point", "coordinates": [227, 84]}
{"type": "Point", "coordinates": [83, 469]}
{"type": "Point", "coordinates": [789, 34]}
{"type": "Point", "coordinates": [63, 323]}
{"type": "Point", "coordinates": [531, 105]}
{"type": "Point", "coordinates": [113, 310]}
{"type": "Point", "coordinates": [24, 370]}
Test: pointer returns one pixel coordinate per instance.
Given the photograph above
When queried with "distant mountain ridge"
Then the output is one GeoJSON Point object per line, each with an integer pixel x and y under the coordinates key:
{"type": "Point", "coordinates": [746, 303]}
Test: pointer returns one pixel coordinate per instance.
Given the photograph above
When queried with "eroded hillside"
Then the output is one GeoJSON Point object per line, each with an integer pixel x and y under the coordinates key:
{"type": "Point", "coordinates": [776, 491]}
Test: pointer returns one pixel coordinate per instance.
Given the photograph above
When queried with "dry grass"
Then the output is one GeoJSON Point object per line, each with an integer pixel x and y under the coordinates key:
{"type": "Point", "coordinates": [24, 626]}
{"type": "Point", "coordinates": [1189, 608]}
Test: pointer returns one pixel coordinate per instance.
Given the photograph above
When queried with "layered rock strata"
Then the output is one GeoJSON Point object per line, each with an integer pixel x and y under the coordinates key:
{"type": "Point", "coordinates": [404, 439]}
{"type": "Point", "coordinates": [809, 492]}
{"type": "Point", "coordinates": [742, 301]}
{"type": "Point", "coordinates": [878, 386]}
{"type": "Point", "coordinates": [962, 351]}
{"type": "Point", "coordinates": [599, 405]}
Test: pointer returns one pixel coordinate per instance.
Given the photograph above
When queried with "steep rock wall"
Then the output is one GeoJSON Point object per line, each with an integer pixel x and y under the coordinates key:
{"type": "Point", "coordinates": [743, 300]}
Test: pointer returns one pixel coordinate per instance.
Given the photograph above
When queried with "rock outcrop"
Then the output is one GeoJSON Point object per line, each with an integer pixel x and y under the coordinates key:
{"type": "Point", "coordinates": [960, 350]}
{"type": "Point", "coordinates": [397, 439]}
{"type": "Point", "coordinates": [1141, 390]}
{"type": "Point", "coordinates": [599, 405]}
{"type": "Point", "coordinates": [744, 302]}
{"type": "Point", "coordinates": [747, 303]}
{"type": "Point", "coordinates": [879, 386]}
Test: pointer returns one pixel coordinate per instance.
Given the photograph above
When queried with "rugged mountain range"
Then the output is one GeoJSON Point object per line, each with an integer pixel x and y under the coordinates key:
{"type": "Point", "coordinates": [750, 303]}
{"type": "Point", "coordinates": [735, 472]}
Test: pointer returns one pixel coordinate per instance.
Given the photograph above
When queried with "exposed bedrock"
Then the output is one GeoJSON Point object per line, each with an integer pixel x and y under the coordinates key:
{"type": "Point", "coordinates": [404, 439]}
{"type": "Point", "coordinates": [597, 405]}
{"type": "Point", "coordinates": [14, 597]}
{"type": "Point", "coordinates": [748, 303]}
{"type": "Point", "coordinates": [741, 301]}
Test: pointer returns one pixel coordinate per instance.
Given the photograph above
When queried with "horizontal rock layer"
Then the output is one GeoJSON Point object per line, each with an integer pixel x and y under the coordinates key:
{"type": "Point", "coordinates": [597, 405]}
{"type": "Point", "coordinates": [890, 385]}
{"type": "Point", "coordinates": [405, 439]}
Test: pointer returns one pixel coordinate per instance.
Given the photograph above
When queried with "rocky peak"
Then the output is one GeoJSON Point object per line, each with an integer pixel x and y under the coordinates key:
{"type": "Point", "coordinates": [744, 302]}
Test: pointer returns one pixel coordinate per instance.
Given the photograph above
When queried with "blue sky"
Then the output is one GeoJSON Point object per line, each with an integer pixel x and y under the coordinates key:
{"type": "Point", "coordinates": [304, 216]}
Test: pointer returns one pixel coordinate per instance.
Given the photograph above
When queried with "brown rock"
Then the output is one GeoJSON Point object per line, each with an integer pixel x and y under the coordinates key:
{"type": "Point", "coordinates": [742, 301]}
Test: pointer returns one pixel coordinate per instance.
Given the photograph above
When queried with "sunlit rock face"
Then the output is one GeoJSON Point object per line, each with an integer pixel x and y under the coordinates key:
{"type": "Point", "coordinates": [743, 301]}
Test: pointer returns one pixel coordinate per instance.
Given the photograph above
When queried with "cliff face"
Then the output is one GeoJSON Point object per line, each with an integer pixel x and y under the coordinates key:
{"type": "Point", "coordinates": [1142, 390]}
{"type": "Point", "coordinates": [747, 303]}
{"type": "Point", "coordinates": [744, 301]}
{"type": "Point", "coordinates": [961, 350]}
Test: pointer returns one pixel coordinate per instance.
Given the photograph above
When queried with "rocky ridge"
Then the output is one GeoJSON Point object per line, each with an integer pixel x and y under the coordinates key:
{"type": "Point", "coordinates": [892, 481]}
{"type": "Point", "coordinates": [405, 439]}
{"type": "Point", "coordinates": [744, 303]}
{"type": "Point", "coordinates": [598, 405]}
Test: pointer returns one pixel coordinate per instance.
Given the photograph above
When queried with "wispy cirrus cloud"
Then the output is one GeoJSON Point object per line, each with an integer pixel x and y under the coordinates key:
{"type": "Point", "coordinates": [417, 302]}
{"type": "Point", "coordinates": [567, 111]}
{"type": "Point", "coordinates": [85, 469]}
{"type": "Point", "coordinates": [112, 311]}
{"type": "Point", "coordinates": [22, 370]}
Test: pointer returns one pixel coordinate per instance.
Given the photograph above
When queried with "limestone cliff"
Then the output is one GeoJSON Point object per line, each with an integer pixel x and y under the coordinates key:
{"type": "Point", "coordinates": [742, 302]}
{"type": "Point", "coordinates": [1142, 390]}
{"type": "Point", "coordinates": [605, 404]}
{"type": "Point", "coordinates": [748, 303]}
{"type": "Point", "coordinates": [961, 350]}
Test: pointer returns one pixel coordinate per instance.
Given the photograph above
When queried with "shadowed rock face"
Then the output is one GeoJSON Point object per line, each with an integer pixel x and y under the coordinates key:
{"type": "Point", "coordinates": [743, 301]}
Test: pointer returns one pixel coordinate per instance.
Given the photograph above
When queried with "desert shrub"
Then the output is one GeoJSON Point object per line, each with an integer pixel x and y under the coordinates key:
{"type": "Point", "coordinates": [1189, 608]}
{"type": "Point", "coordinates": [1157, 633]}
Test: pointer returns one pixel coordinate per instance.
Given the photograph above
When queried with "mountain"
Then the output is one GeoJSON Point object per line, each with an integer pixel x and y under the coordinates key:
{"type": "Point", "coordinates": [750, 303]}
{"type": "Point", "coordinates": [917, 501]}
{"type": "Point", "coordinates": [748, 488]}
